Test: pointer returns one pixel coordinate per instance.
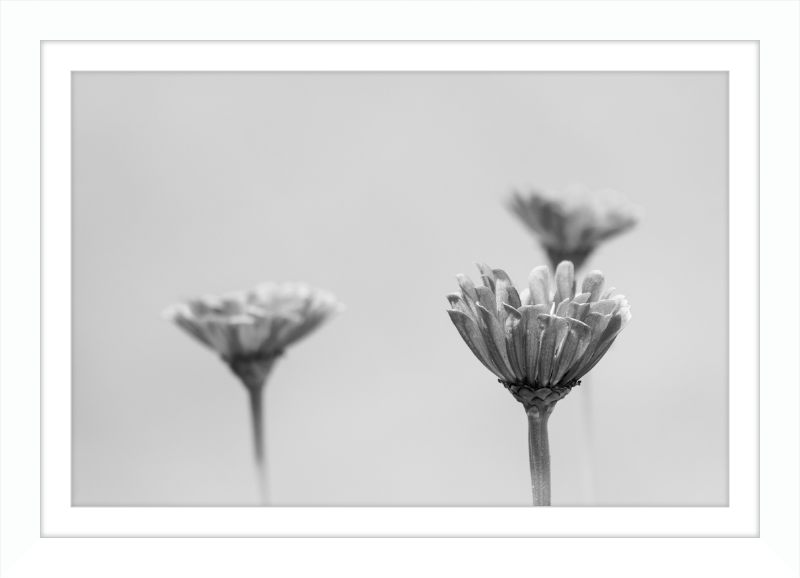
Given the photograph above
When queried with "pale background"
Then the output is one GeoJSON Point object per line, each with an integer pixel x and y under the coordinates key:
{"type": "Point", "coordinates": [380, 187]}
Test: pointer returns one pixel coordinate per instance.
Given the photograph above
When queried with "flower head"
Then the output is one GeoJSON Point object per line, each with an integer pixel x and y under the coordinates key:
{"type": "Point", "coordinates": [571, 224]}
{"type": "Point", "coordinates": [250, 329]}
{"type": "Point", "coordinates": [542, 341]}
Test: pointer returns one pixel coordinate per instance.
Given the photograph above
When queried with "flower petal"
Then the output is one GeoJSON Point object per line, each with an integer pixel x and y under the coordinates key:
{"type": "Point", "coordinates": [512, 311]}
{"type": "Point", "coordinates": [284, 331]}
{"type": "Point", "coordinates": [458, 303]}
{"type": "Point", "coordinates": [565, 356]}
{"type": "Point", "coordinates": [547, 348]}
{"type": "Point", "coordinates": [611, 333]}
{"type": "Point", "coordinates": [530, 321]}
{"type": "Point", "coordinates": [495, 338]}
{"type": "Point", "coordinates": [539, 285]}
{"type": "Point", "coordinates": [514, 298]}
{"type": "Point", "coordinates": [468, 290]}
{"type": "Point", "coordinates": [562, 308]}
{"type": "Point", "coordinates": [596, 357]}
{"type": "Point", "coordinates": [525, 297]}
{"type": "Point", "coordinates": [487, 275]}
{"type": "Point", "coordinates": [250, 336]}
{"type": "Point", "coordinates": [617, 323]}
{"type": "Point", "coordinates": [593, 283]}
{"type": "Point", "coordinates": [472, 336]}
{"type": "Point", "coordinates": [219, 334]}
{"type": "Point", "coordinates": [598, 324]}
{"type": "Point", "coordinates": [619, 302]}
{"type": "Point", "coordinates": [486, 298]}
{"type": "Point", "coordinates": [565, 281]}
{"type": "Point", "coordinates": [607, 293]}
{"type": "Point", "coordinates": [519, 338]}
{"type": "Point", "coordinates": [585, 339]}
{"type": "Point", "coordinates": [603, 307]}
{"type": "Point", "coordinates": [193, 328]}
{"type": "Point", "coordinates": [513, 319]}
{"type": "Point", "coordinates": [578, 310]}
{"type": "Point", "coordinates": [582, 298]}
{"type": "Point", "coordinates": [289, 328]}
{"type": "Point", "coordinates": [504, 293]}
{"type": "Point", "coordinates": [562, 330]}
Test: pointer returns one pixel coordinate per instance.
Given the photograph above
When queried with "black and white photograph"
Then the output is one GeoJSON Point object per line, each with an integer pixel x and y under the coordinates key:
{"type": "Point", "coordinates": [400, 289]}
{"type": "Point", "coordinates": [446, 288]}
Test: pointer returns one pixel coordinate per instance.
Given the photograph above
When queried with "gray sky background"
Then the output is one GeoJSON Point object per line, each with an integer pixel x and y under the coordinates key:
{"type": "Point", "coordinates": [381, 187]}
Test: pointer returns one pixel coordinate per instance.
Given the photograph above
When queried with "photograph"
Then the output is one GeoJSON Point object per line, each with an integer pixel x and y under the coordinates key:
{"type": "Point", "coordinates": [400, 289]}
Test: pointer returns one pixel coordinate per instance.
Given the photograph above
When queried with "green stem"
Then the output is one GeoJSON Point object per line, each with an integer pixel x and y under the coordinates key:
{"type": "Point", "coordinates": [539, 452]}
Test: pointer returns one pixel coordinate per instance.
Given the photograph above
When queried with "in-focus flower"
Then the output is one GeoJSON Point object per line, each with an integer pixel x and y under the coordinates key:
{"type": "Point", "coordinates": [538, 342]}
{"type": "Point", "coordinates": [251, 329]}
{"type": "Point", "coordinates": [572, 223]}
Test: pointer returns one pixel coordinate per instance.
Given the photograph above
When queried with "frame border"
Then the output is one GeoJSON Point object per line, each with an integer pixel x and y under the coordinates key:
{"type": "Point", "coordinates": [773, 24]}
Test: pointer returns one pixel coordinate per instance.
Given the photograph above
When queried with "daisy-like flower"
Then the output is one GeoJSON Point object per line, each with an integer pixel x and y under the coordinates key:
{"type": "Point", "coordinates": [539, 342]}
{"type": "Point", "coordinates": [571, 224]}
{"type": "Point", "coordinates": [250, 330]}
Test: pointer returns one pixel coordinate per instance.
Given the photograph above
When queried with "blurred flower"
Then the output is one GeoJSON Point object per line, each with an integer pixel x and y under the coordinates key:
{"type": "Point", "coordinates": [572, 223]}
{"type": "Point", "coordinates": [540, 342]}
{"type": "Point", "coordinates": [251, 329]}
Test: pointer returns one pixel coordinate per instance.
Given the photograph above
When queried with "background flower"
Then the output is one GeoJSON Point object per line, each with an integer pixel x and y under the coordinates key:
{"type": "Point", "coordinates": [571, 223]}
{"type": "Point", "coordinates": [250, 330]}
{"type": "Point", "coordinates": [258, 324]}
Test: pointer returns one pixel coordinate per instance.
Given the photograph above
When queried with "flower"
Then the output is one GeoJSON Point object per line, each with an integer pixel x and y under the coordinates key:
{"type": "Point", "coordinates": [250, 329]}
{"type": "Point", "coordinates": [572, 223]}
{"type": "Point", "coordinates": [539, 343]}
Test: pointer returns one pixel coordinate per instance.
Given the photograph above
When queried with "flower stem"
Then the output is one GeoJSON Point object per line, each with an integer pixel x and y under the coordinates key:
{"type": "Point", "coordinates": [587, 441]}
{"type": "Point", "coordinates": [256, 412]}
{"type": "Point", "coordinates": [253, 372]}
{"type": "Point", "coordinates": [539, 452]}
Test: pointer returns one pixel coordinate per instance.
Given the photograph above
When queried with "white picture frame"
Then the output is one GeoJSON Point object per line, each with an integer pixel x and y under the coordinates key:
{"type": "Point", "coordinates": [755, 42]}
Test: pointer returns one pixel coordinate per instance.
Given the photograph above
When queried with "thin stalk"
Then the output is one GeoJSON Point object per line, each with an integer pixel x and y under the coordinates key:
{"type": "Point", "coordinates": [539, 453]}
{"type": "Point", "coordinates": [587, 441]}
{"type": "Point", "coordinates": [253, 372]}
{"type": "Point", "coordinates": [256, 412]}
